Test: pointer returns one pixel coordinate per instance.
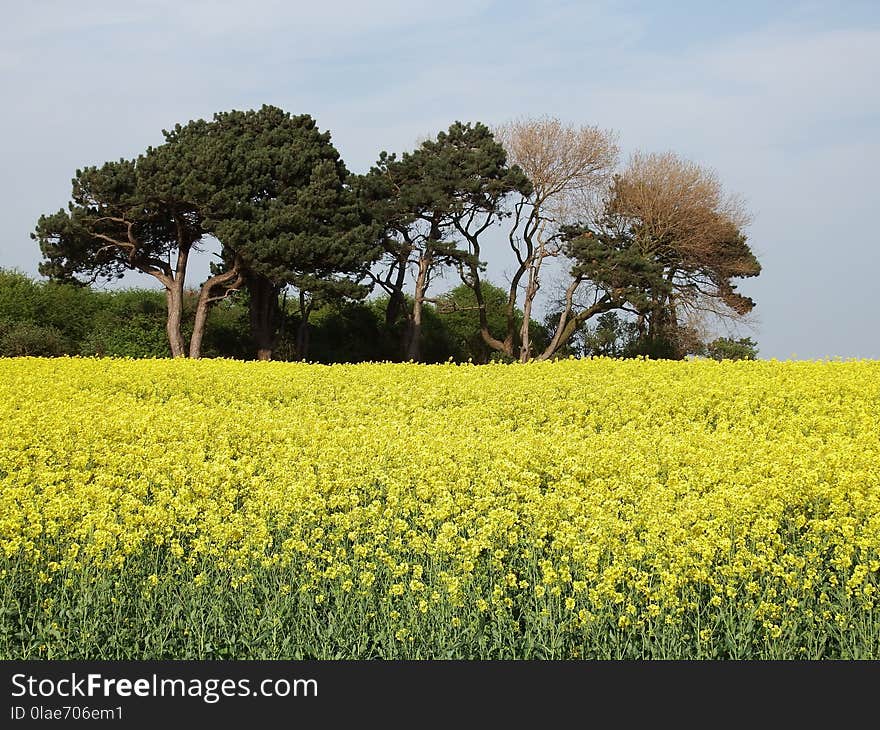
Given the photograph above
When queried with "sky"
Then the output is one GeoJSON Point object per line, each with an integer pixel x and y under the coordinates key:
{"type": "Point", "coordinates": [780, 99]}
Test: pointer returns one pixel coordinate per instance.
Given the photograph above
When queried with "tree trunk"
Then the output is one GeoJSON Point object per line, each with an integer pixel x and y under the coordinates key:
{"type": "Point", "coordinates": [174, 298]}
{"type": "Point", "coordinates": [569, 322]}
{"type": "Point", "coordinates": [525, 353]}
{"type": "Point", "coordinates": [174, 286]}
{"type": "Point", "coordinates": [640, 326]}
{"type": "Point", "coordinates": [264, 314]}
{"type": "Point", "coordinates": [505, 346]}
{"type": "Point", "coordinates": [396, 300]}
{"type": "Point", "coordinates": [302, 332]}
{"type": "Point", "coordinates": [414, 351]}
{"type": "Point", "coordinates": [201, 319]}
{"type": "Point", "coordinates": [657, 325]}
{"type": "Point", "coordinates": [225, 282]}
{"type": "Point", "coordinates": [302, 340]}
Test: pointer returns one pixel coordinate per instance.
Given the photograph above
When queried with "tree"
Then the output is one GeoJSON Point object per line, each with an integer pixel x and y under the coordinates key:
{"type": "Point", "coordinates": [678, 217]}
{"type": "Point", "coordinates": [727, 348]}
{"type": "Point", "coordinates": [434, 204]}
{"type": "Point", "coordinates": [459, 313]}
{"type": "Point", "coordinates": [276, 194]}
{"type": "Point", "coordinates": [268, 186]}
{"type": "Point", "coordinates": [567, 167]}
{"type": "Point", "coordinates": [117, 220]}
{"type": "Point", "coordinates": [667, 246]}
{"type": "Point", "coordinates": [606, 271]}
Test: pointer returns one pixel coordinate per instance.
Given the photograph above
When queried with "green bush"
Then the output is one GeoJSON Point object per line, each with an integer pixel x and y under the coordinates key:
{"type": "Point", "coordinates": [128, 323]}
{"type": "Point", "coordinates": [66, 308]}
{"type": "Point", "coordinates": [726, 348]}
{"type": "Point", "coordinates": [227, 332]}
{"type": "Point", "coordinates": [20, 339]}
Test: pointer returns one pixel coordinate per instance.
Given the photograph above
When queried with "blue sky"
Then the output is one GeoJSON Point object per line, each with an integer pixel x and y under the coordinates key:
{"type": "Point", "coordinates": [779, 98]}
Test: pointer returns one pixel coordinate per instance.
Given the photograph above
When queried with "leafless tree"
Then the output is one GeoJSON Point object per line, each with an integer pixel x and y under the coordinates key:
{"type": "Point", "coordinates": [568, 167]}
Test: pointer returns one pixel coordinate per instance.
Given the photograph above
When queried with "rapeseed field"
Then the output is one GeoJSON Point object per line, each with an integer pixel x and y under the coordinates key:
{"type": "Point", "coordinates": [175, 509]}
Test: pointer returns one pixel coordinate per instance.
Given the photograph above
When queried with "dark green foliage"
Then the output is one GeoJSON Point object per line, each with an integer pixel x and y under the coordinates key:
{"type": "Point", "coordinates": [128, 323]}
{"type": "Point", "coordinates": [461, 172]}
{"type": "Point", "coordinates": [458, 312]}
{"type": "Point", "coordinates": [125, 216]}
{"type": "Point", "coordinates": [274, 191]}
{"type": "Point", "coordinates": [460, 317]}
{"type": "Point", "coordinates": [50, 319]}
{"type": "Point", "coordinates": [66, 309]}
{"type": "Point", "coordinates": [664, 246]}
{"type": "Point", "coordinates": [340, 332]}
{"type": "Point", "coordinates": [120, 218]}
{"type": "Point", "coordinates": [20, 298]}
{"type": "Point", "coordinates": [614, 263]}
{"type": "Point", "coordinates": [47, 318]}
{"type": "Point", "coordinates": [344, 332]}
{"type": "Point", "coordinates": [27, 339]}
{"type": "Point", "coordinates": [131, 323]}
{"type": "Point", "coordinates": [432, 205]}
{"type": "Point", "coordinates": [615, 336]}
{"type": "Point", "coordinates": [39, 318]}
{"type": "Point", "coordinates": [272, 188]}
{"type": "Point", "coordinates": [228, 331]}
{"type": "Point", "coordinates": [647, 279]}
{"type": "Point", "coordinates": [349, 331]}
{"type": "Point", "coordinates": [434, 342]}
{"type": "Point", "coordinates": [269, 186]}
{"type": "Point", "coordinates": [289, 217]}
{"type": "Point", "coordinates": [70, 309]}
{"type": "Point", "coordinates": [727, 348]}
{"type": "Point", "coordinates": [611, 336]}
{"type": "Point", "coordinates": [357, 331]}
{"type": "Point", "coordinates": [675, 342]}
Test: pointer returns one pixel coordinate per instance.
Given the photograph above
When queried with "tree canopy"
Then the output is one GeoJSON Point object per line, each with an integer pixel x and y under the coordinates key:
{"type": "Point", "coordinates": [276, 194]}
{"type": "Point", "coordinates": [667, 243]}
{"type": "Point", "coordinates": [433, 204]}
{"type": "Point", "coordinates": [269, 186]}
{"type": "Point", "coordinates": [659, 241]}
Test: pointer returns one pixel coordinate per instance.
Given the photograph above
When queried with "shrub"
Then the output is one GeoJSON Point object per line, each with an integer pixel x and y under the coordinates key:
{"type": "Point", "coordinates": [21, 339]}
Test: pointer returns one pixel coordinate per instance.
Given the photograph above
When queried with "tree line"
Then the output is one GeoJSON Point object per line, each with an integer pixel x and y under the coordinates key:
{"type": "Point", "coordinates": [647, 248]}
{"type": "Point", "coordinates": [51, 319]}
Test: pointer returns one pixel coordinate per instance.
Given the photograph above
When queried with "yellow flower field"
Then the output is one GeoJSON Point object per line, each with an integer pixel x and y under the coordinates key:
{"type": "Point", "coordinates": [594, 508]}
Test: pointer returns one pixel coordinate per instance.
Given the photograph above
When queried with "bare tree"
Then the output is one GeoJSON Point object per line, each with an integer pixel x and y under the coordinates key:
{"type": "Point", "coordinates": [568, 167]}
